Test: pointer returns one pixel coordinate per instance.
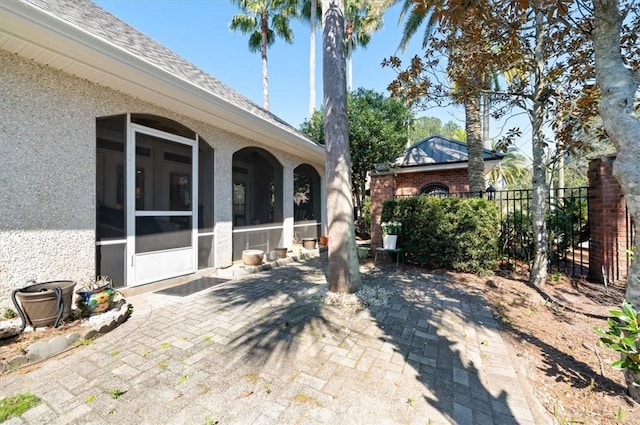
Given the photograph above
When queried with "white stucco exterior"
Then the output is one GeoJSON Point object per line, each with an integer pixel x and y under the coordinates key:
{"type": "Point", "coordinates": [48, 166]}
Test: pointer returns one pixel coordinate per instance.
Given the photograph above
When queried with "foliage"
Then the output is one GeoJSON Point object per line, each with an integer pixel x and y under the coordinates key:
{"type": "Point", "coordinates": [377, 133]}
{"type": "Point", "coordinates": [424, 127]}
{"type": "Point", "coordinates": [516, 235]}
{"type": "Point", "coordinates": [512, 172]}
{"type": "Point", "coordinates": [365, 219]}
{"type": "Point", "coordinates": [391, 227]}
{"type": "Point", "coordinates": [16, 405]}
{"type": "Point", "coordinates": [451, 233]}
{"type": "Point", "coordinates": [9, 313]}
{"type": "Point", "coordinates": [623, 336]}
{"type": "Point", "coordinates": [566, 222]}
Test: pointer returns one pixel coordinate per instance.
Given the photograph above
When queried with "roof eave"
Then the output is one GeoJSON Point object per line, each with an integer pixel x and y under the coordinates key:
{"type": "Point", "coordinates": [488, 165]}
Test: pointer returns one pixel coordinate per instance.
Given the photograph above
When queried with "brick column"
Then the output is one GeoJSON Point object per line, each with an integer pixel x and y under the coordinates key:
{"type": "Point", "coordinates": [607, 221]}
{"type": "Point", "coordinates": [383, 187]}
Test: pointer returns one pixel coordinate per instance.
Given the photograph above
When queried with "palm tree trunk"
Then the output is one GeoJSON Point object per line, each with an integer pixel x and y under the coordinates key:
{"type": "Point", "coordinates": [486, 106]}
{"type": "Point", "coordinates": [264, 29]}
{"type": "Point", "coordinates": [344, 274]}
{"type": "Point", "coordinates": [312, 58]}
{"type": "Point", "coordinates": [474, 143]}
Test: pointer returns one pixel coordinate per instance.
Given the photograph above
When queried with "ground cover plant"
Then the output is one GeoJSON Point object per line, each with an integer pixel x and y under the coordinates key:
{"type": "Point", "coordinates": [16, 405]}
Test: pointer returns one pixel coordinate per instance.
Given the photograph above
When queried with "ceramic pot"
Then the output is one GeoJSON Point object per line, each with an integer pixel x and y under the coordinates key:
{"type": "Point", "coordinates": [389, 241]}
{"type": "Point", "coordinates": [272, 256]}
{"type": "Point", "coordinates": [252, 257]}
{"type": "Point", "coordinates": [92, 301]}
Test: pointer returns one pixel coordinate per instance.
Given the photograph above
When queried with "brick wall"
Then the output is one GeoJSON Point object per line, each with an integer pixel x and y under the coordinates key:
{"type": "Point", "coordinates": [607, 219]}
{"type": "Point", "coordinates": [410, 183]}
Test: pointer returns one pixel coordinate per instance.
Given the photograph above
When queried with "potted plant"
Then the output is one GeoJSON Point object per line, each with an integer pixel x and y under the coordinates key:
{"type": "Point", "coordinates": [390, 230]}
{"type": "Point", "coordinates": [95, 295]}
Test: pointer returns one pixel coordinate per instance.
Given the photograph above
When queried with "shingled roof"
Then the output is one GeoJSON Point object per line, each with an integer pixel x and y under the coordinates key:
{"type": "Point", "coordinates": [439, 150]}
{"type": "Point", "coordinates": [93, 19]}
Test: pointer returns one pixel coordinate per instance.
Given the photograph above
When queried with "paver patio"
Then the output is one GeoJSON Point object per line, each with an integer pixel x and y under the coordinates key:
{"type": "Point", "coordinates": [265, 349]}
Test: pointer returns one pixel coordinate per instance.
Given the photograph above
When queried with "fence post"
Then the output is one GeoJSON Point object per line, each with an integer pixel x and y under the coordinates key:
{"type": "Point", "coordinates": [608, 258]}
{"type": "Point", "coordinates": [383, 187]}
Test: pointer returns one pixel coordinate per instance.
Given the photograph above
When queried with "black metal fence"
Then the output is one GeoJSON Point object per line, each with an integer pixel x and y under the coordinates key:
{"type": "Point", "coordinates": [567, 223]}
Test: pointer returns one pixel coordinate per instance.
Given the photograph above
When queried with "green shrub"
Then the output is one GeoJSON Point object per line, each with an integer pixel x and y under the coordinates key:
{"type": "Point", "coordinates": [451, 233]}
{"type": "Point", "coordinates": [623, 336]}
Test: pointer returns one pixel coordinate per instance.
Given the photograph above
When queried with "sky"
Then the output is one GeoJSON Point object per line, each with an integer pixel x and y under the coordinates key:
{"type": "Point", "coordinates": [198, 30]}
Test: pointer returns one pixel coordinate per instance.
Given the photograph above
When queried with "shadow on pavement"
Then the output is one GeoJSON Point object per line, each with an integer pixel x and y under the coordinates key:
{"type": "Point", "coordinates": [447, 339]}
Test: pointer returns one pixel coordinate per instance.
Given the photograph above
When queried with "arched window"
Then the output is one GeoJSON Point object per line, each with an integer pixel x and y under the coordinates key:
{"type": "Point", "coordinates": [306, 193]}
{"type": "Point", "coordinates": [257, 187]}
{"type": "Point", "coordinates": [435, 189]}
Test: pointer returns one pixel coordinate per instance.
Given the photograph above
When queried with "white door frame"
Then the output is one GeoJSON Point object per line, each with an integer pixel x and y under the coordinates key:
{"type": "Point", "coordinates": [167, 263]}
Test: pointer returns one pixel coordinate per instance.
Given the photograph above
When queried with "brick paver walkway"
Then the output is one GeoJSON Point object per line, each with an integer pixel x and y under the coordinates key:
{"type": "Point", "coordinates": [264, 349]}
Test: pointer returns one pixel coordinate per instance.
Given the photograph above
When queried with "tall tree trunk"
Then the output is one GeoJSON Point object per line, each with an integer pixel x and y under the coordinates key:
{"type": "Point", "coordinates": [264, 29]}
{"type": "Point", "coordinates": [561, 180]}
{"type": "Point", "coordinates": [344, 274]}
{"type": "Point", "coordinates": [312, 59]}
{"type": "Point", "coordinates": [538, 274]}
{"type": "Point", "coordinates": [618, 86]}
{"type": "Point", "coordinates": [486, 107]}
{"type": "Point", "coordinates": [473, 128]}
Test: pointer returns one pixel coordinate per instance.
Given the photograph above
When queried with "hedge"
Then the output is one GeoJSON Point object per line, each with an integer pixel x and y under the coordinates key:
{"type": "Point", "coordinates": [451, 233]}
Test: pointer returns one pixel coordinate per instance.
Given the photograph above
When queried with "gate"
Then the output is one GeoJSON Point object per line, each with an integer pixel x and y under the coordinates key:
{"type": "Point", "coordinates": [567, 226]}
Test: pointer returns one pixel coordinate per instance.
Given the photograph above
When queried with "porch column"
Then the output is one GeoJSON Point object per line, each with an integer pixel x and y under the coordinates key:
{"type": "Point", "coordinates": [223, 208]}
{"type": "Point", "coordinates": [287, 208]}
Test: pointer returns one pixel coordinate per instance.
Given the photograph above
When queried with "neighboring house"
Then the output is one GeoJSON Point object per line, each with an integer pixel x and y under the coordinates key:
{"type": "Point", "coordinates": [433, 166]}
{"type": "Point", "coordinates": [119, 157]}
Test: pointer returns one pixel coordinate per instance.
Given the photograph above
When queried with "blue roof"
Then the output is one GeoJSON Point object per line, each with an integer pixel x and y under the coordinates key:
{"type": "Point", "coordinates": [439, 150]}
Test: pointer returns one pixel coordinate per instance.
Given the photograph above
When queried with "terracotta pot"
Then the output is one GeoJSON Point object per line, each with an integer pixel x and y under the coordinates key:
{"type": "Point", "coordinates": [252, 257]}
{"type": "Point", "coordinates": [324, 241]}
{"type": "Point", "coordinates": [281, 252]}
{"type": "Point", "coordinates": [40, 302]}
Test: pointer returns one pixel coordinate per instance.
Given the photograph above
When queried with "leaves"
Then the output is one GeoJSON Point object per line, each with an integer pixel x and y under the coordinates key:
{"type": "Point", "coordinates": [623, 336]}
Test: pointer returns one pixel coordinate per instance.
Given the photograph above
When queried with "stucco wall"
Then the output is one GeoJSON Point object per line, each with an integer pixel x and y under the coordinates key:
{"type": "Point", "coordinates": [47, 172]}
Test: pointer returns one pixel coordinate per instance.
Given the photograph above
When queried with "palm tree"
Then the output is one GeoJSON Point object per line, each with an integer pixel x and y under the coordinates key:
{"type": "Point", "coordinates": [310, 9]}
{"type": "Point", "coordinates": [264, 20]}
{"type": "Point", "coordinates": [513, 170]}
{"type": "Point", "coordinates": [362, 18]}
{"type": "Point", "coordinates": [462, 33]}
